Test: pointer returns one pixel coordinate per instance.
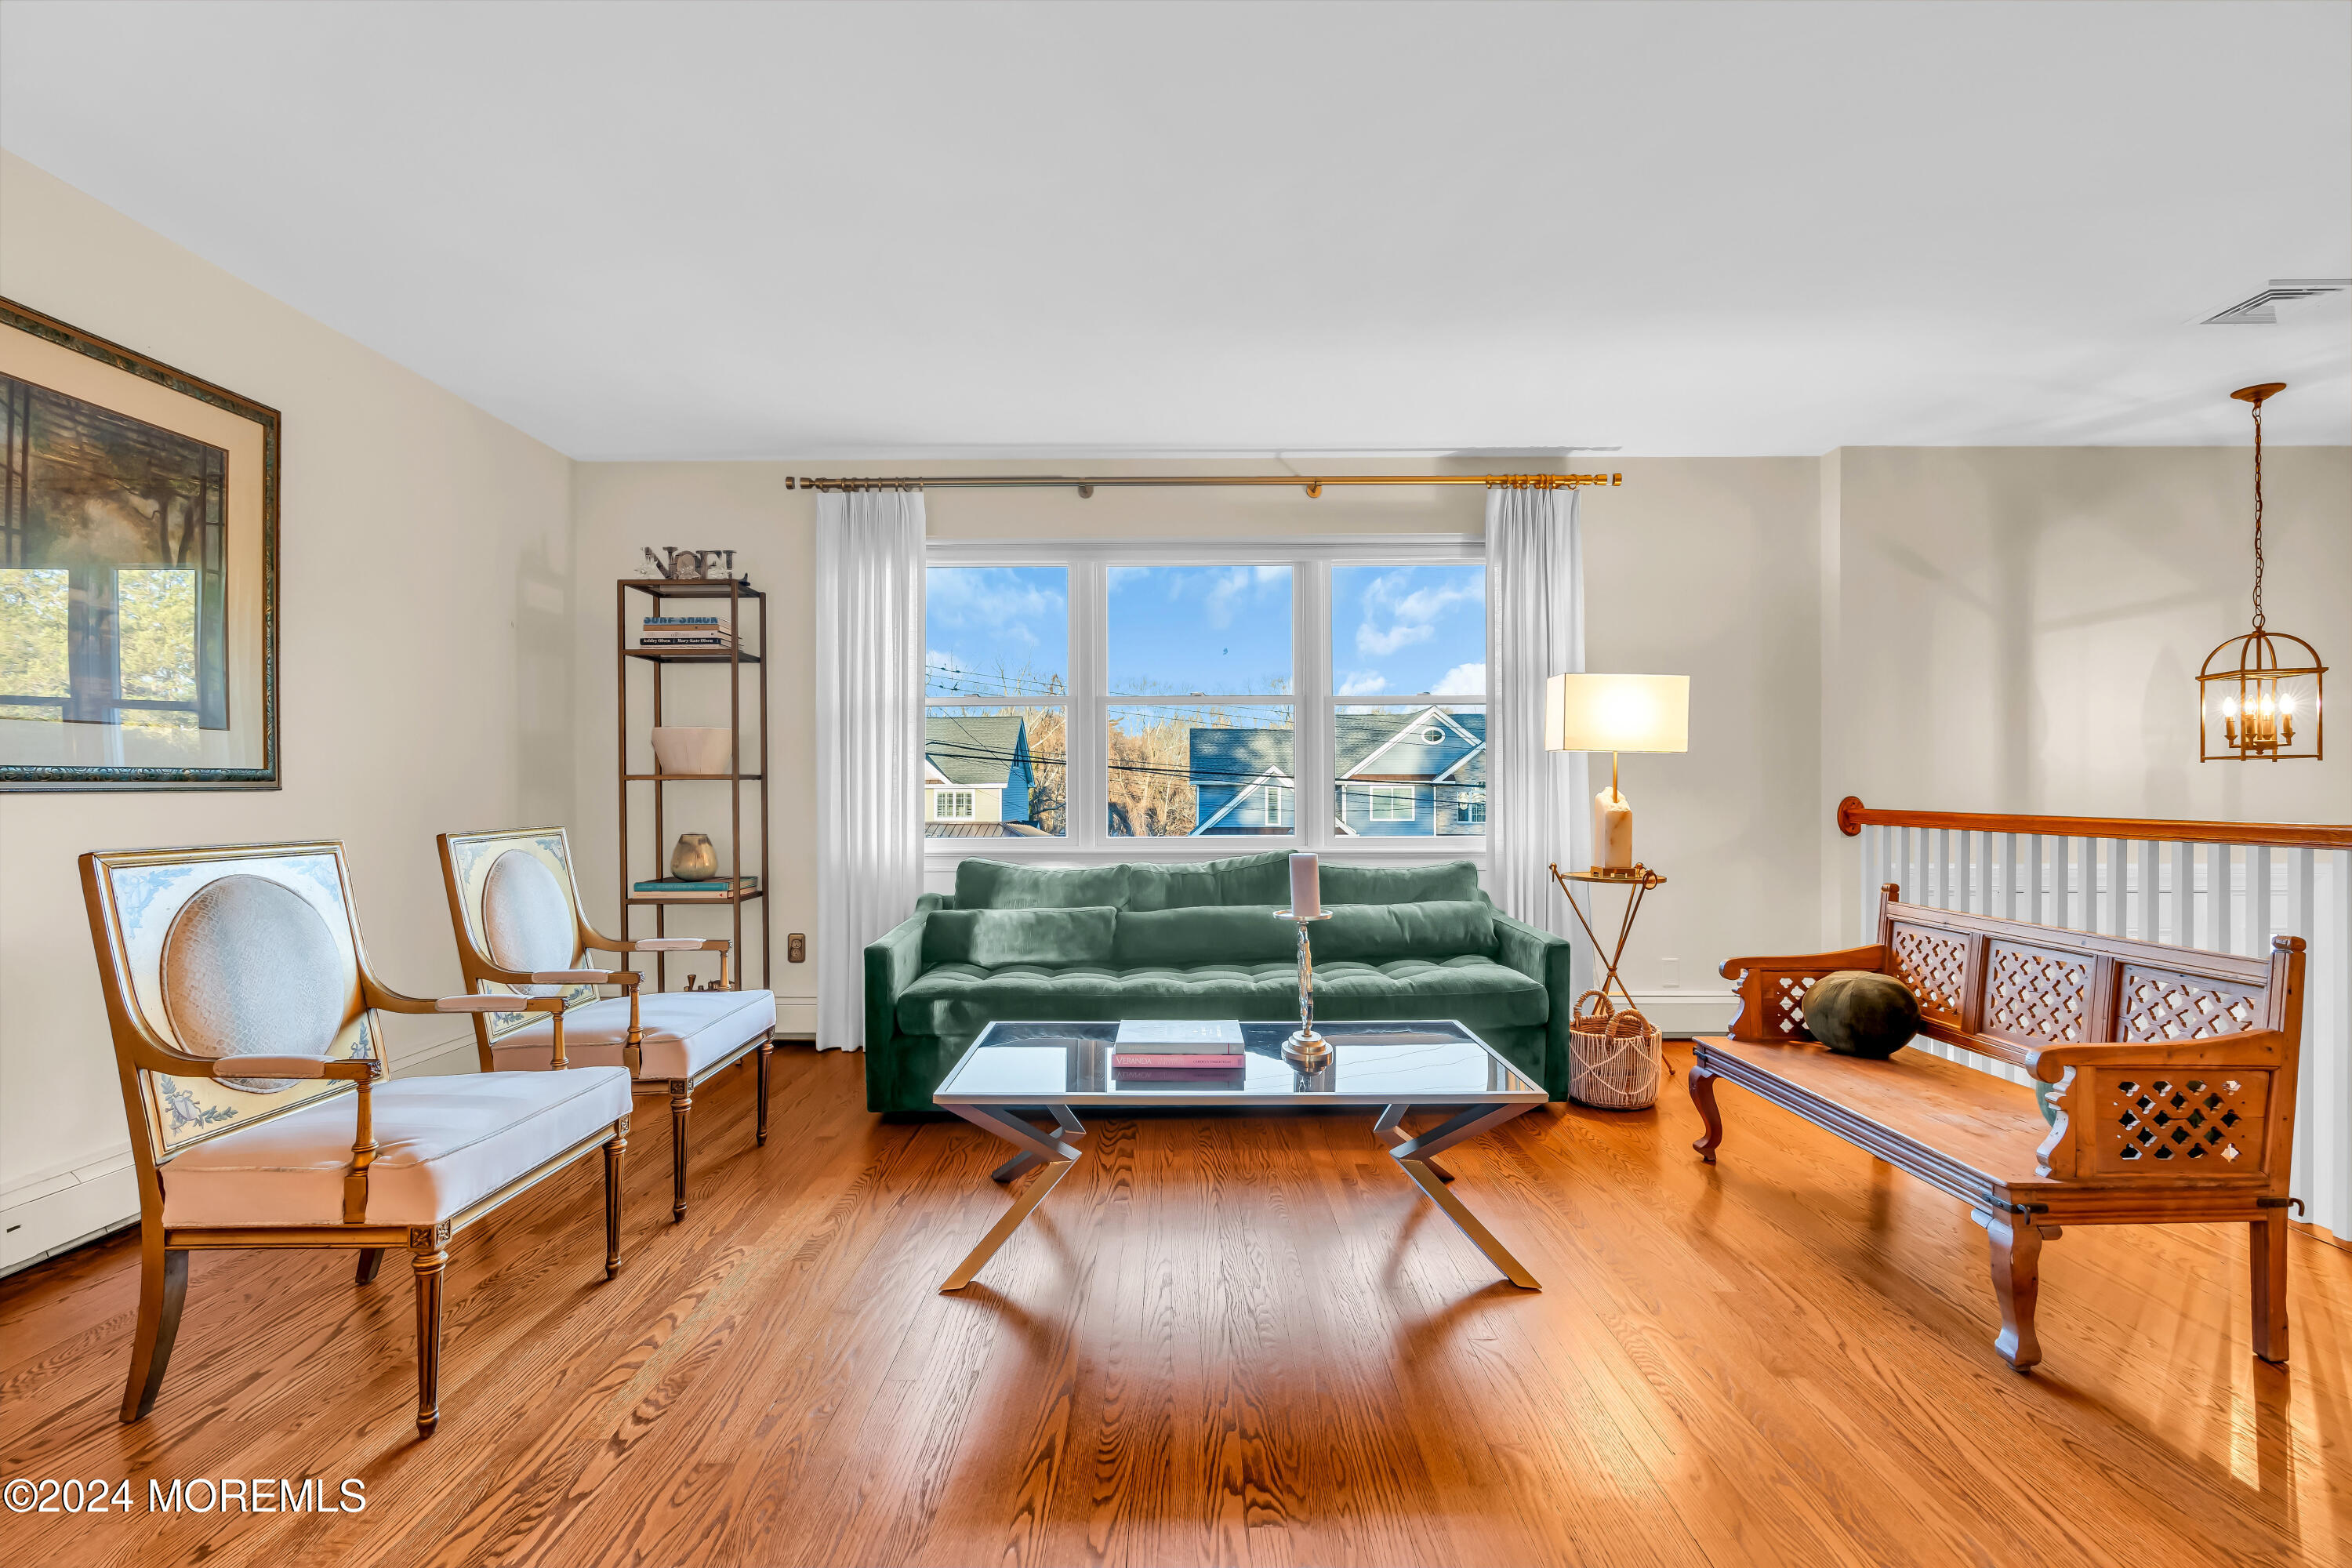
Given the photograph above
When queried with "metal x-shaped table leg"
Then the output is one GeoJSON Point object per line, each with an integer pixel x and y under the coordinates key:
{"type": "Point", "coordinates": [1414, 1155]}
{"type": "Point", "coordinates": [1036, 1149]}
{"type": "Point", "coordinates": [1387, 1127]}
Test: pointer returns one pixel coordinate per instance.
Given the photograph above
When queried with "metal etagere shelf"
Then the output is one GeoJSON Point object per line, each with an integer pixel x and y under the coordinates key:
{"type": "Point", "coordinates": [737, 658]}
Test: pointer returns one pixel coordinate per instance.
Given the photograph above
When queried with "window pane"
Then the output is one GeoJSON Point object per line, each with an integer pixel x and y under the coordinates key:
{"type": "Point", "coordinates": [155, 616]}
{"type": "Point", "coordinates": [1399, 631]}
{"type": "Point", "coordinates": [1411, 771]}
{"type": "Point", "coordinates": [996, 631]}
{"type": "Point", "coordinates": [1219, 769]}
{"type": "Point", "coordinates": [33, 642]}
{"type": "Point", "coordinates": [1199, 631]}
{"type": "Point", "coordinates": [994, 772]}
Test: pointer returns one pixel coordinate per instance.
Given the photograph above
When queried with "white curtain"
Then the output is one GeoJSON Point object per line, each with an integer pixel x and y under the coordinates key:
{"type": "Point", "coordinates": [1536, 811]}
{"type": "Point", "coordinates": [869, 739]}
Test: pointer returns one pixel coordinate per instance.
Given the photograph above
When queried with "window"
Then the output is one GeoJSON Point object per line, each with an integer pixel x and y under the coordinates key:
{"type": "Point", "coordinates": [1409, 681]}
{"type": "Point", "coordinates": [996, 660]}
{"type": "Point", "coordinates": [1194, 655]}
{"type": "Point", "coordinates": [1306, 692]}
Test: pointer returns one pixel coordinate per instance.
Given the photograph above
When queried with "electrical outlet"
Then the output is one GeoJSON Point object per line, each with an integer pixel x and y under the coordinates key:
{"type": "Point", "coordinates": [1670, 972]}
{"type": "Point", "coordinates": [796, 949]}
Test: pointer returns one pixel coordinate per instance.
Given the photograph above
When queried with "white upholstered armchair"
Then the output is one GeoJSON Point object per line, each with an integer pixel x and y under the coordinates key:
{"type": "Point", "coordinates": [244, 1022]}
{"type": "Point", "coordinates": [515, 907]}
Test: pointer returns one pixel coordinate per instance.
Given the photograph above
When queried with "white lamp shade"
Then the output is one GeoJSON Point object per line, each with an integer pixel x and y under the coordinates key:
{"type": "Point", "coordinates": [1617, 714]}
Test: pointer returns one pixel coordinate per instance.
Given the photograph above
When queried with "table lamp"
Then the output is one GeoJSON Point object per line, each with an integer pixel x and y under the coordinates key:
{"type": "Point", "coordinates": [1616, 713]}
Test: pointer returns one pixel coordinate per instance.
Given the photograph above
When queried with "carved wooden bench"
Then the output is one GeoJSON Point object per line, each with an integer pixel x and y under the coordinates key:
{"type": "Point", "coordinates": [2173, 1074]}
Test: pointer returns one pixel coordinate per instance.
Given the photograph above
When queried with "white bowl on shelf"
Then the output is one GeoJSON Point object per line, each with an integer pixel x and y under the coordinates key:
{"type": "Point", "coordinates": [694, 748]}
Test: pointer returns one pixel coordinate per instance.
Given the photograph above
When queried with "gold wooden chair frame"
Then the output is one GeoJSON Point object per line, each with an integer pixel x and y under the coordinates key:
{"type": "Point", "coordinates": [167, 1090]}
{"type": "Point", "coordinates": [466, 860]}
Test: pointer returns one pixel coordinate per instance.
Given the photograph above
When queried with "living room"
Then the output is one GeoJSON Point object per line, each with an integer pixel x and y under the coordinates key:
{"type": "Point", "coordinates": [756, 563]}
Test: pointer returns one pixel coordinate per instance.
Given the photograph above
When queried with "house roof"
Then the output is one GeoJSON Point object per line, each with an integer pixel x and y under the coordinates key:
{"type": "Point", "coordinates": [975, 749]}
{"type": "Point", "coordinates": [1237, 756]}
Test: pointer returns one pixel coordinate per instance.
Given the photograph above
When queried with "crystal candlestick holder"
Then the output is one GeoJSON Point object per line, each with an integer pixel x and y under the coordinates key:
{"type": "Point", "coordinates": [1306, 1049]}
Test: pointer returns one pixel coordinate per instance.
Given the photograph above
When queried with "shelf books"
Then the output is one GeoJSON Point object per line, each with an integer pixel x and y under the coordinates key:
{"type": "Point", "coordinates": [1187, 1047]}
{"type": "Point", "coordinates": [716, 890]}
{"type": "Point", "coordinates": [685, 631]}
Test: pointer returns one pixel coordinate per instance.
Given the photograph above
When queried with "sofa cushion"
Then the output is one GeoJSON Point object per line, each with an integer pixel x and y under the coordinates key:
{"type": "Point", "coordinates": [1180, 937]}
{"type": "Point", "coordinates": [1000, 937]}
{"type": "Point", "coordinates": [441, 1143]}
{"type": "Point", "coordinates": [1377, 932]}
{"type": "Point", "coordinates": [1261, 881]}
{"type": "Point", "coordinates": [958, 1000]}
{"type": "Point", "coordinates": [1452, 880]}
{"type": "Point", "coordinates": [1003, 885]}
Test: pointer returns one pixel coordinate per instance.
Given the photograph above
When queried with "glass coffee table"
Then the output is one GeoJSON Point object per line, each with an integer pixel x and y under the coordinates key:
{"type": "Point", "coordinates": [1395, 1066]}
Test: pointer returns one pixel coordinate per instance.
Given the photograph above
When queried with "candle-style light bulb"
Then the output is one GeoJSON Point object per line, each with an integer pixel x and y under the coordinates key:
{"type": "Point", "coordinates": [2228, 708]}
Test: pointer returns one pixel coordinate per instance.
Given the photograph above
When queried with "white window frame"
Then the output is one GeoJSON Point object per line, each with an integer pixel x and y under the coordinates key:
{"type": "Point", "coordinates": [1379, 795]}
{"type": "Point", "coordinates": [1086, 706]}
{"type": "Point", "coordinates": [1470, 812]}
{"type": "Point", "coordinates": [1281, 800]}
{"type": "Point", "coordinates": [971, 798]}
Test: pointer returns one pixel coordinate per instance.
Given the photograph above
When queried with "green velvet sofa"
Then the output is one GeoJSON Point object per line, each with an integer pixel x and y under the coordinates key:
{"type": "Point", "coordinates": [1199, 941]}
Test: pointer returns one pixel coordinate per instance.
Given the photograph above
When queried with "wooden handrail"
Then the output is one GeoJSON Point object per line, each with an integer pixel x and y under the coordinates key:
{"type": "Point", "coordinates": [1853, 816]}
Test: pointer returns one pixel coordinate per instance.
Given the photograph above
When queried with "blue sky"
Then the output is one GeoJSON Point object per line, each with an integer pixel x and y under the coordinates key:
{"type": "Point", "coordinates": [1396, 631]}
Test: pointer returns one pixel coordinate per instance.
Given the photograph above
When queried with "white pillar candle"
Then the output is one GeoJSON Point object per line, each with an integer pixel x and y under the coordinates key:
{"type": "Point", "coordinates": [1305, 887]}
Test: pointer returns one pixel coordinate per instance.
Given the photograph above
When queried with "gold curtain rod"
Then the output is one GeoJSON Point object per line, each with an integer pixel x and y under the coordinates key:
{"type": "Point", "coordinates": [1313, 484]}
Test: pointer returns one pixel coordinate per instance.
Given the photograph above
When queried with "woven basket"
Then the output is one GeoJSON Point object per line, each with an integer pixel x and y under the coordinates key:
{"type": "Point", "coordinates": [1613, 1057]}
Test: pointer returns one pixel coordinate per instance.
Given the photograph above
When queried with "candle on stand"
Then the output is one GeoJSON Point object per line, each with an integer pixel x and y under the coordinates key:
{"type": "Point", "coordinates": [1305, 887]}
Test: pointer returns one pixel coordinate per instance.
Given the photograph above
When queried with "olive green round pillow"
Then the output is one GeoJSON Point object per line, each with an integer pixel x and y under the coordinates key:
{"type": "Point", "coordinates": [1858, 1014]}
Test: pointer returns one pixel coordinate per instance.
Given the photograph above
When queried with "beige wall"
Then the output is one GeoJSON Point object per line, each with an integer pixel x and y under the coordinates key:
{"type": "Point", "coordinates": [2020, 629]}
{"type": "Point", "coordinates": [427, 659]}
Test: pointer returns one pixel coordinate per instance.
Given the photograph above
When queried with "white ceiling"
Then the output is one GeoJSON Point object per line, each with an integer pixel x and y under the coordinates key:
{"type": "Point", "coordinates": [702, 231]}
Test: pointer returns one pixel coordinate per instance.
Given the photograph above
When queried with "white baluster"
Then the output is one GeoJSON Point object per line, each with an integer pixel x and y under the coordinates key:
{"type": "Point", "coordinates": [2184, 895]}
{"type": "Point", "coordinates": [2034, 865]}
{"type": "Point", "coordinates": [2262, 918]}
{"type": "Point", "coordinates": [2149, 853]}
{"type": "Point", "coordinates": [2011, 907]}
{"type": "Point", "coordinates": [2221, 890]}
{"type": "Point", "coordinates": [1874, 840]}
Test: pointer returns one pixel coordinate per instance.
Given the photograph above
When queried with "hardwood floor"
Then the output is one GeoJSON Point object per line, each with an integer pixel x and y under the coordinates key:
{"type": "Point", "coordinates": [1224, 1339]}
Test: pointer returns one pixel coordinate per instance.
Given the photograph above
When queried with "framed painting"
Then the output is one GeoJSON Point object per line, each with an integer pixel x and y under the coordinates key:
{"type": "Point", "coordinates": [138, 570]}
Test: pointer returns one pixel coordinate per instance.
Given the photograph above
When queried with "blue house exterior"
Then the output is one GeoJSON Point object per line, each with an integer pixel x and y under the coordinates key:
{"type": "Point", "coordinates": [1418, 772]}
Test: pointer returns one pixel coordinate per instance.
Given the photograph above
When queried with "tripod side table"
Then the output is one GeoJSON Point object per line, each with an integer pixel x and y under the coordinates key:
{"type": "Point", "coordinates": [1637, 884]}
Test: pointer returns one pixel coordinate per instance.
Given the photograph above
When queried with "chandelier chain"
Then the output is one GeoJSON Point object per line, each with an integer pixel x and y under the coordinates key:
{"type": "Point", "coordinates": [2258, 517]}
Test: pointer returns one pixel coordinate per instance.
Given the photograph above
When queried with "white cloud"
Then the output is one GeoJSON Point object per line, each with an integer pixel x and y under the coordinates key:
{"type": "Point", "coordinates": [1411, 616]}
{"type": "Point", "coordinates": [1381, 643]}
{"type": "Point", "coordinates": [990, 596]}
{"type": "Point", "coordinates": [1364, 683]}
{"type": "Point", "coordinates": [1463, 680]}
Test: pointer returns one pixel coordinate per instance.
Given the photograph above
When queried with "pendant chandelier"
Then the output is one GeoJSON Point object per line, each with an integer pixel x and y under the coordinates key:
{"type": "Point", "coordinates": [2258, 695]}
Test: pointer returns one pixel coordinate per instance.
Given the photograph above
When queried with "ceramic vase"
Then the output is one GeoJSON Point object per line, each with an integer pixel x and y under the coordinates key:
{"type": "Point", "coordinates": [693, 859]}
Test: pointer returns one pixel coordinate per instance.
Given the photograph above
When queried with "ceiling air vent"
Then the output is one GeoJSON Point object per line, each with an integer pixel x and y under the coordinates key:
{"type": "Point", "coordinates": [2262, 309]}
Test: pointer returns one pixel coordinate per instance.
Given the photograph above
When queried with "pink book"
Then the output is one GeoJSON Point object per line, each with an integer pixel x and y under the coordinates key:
{"type": "Point", "coordinates": [1230, 1061]}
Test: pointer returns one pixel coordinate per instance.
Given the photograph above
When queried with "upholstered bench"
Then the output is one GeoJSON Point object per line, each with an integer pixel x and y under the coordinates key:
{"type": "Point", "coordinates": [2169, 1074]}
